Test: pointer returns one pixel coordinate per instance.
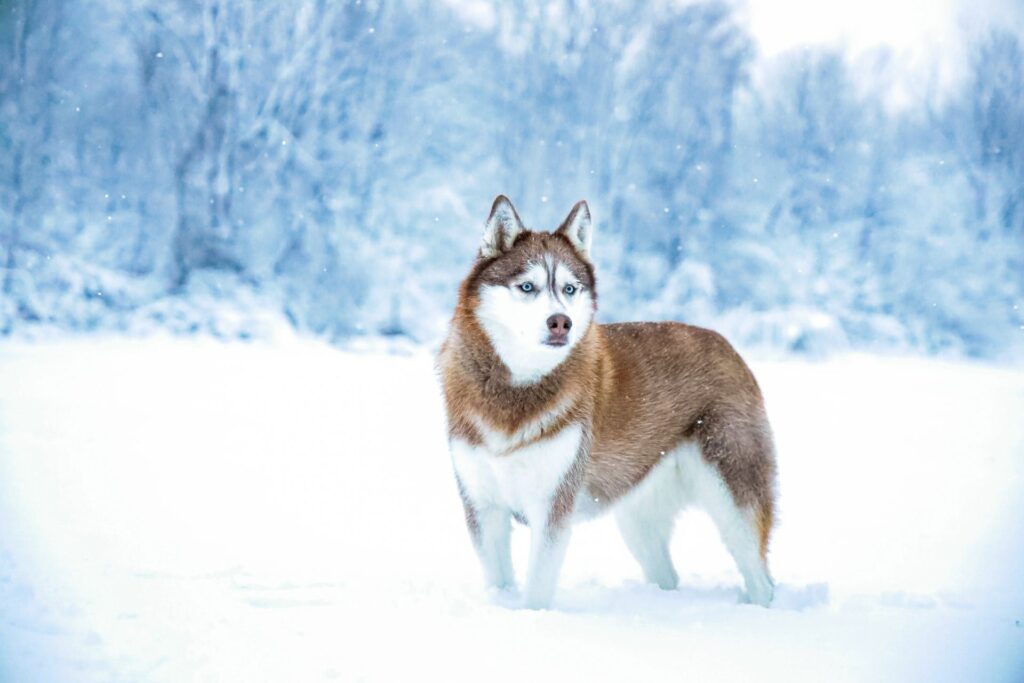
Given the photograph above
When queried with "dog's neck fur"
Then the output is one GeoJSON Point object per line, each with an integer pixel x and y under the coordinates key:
{"type": "Point", "coordinates": [485, 368]}
{"type": "Point", "coordinates": [479, 383]}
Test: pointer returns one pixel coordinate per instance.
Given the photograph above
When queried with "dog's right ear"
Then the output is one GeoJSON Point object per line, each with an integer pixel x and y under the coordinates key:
{"type": "Point", "coordinates": [503, 226]}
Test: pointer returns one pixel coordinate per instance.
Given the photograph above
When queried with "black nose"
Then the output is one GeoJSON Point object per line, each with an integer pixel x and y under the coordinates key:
{"type": "Point", "coordinates": [559, 325]}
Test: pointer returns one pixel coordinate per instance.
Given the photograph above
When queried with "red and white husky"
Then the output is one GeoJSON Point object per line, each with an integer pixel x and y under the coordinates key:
{"type": "Point", "coordinates": [553, 417]}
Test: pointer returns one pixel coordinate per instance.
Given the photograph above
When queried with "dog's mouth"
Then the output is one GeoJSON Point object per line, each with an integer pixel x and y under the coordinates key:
{"type": "Point", "coordinates": [556, 341]}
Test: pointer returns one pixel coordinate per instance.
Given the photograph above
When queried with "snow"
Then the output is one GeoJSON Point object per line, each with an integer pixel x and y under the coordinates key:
{"type": "Point", "coordinates": [189, 509]}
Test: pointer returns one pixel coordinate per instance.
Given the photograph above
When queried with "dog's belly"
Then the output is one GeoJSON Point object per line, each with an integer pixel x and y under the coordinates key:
{"type": "Point", "coordinates": [678, 479]}
{"type": "Point", "coordinates": [524, 481]}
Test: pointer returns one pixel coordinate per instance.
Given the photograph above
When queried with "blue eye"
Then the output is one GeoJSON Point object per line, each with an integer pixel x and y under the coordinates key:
{"type": "Point", "coordinates": [569, 289]}
{"type": "Point", "coordinates": [526, 286]}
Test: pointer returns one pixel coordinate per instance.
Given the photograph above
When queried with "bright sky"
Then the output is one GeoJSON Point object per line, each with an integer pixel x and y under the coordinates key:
{"type": "Point", "coordinates": [912, 25]}
{"type": "Point", "coordinates": [926, 37]}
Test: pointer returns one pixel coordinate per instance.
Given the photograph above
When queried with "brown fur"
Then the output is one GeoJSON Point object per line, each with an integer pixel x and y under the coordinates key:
{"type": "Point", "coordinates": [639, 389]}
{"type": "Point", "coordinates": [565, 496]}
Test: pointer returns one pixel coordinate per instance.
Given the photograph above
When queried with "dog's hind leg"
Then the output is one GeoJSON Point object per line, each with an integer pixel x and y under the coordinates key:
{"type": "Point", "coordinates": [739, 530]}
{"type": "Point", "coordinates": [744, 528]}
{"type": "Point", "coordinates": [648, 540]}
{"type": "Point", "coordinates": [646, 518]}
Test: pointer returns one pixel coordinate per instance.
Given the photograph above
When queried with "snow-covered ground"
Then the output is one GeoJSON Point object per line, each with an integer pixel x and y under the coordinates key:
{"type": "Point", "coordinates": [187, 510]}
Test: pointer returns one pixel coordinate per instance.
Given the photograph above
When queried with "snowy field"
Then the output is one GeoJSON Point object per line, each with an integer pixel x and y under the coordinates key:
{"type": "Point", "coordinates": [189, 510]}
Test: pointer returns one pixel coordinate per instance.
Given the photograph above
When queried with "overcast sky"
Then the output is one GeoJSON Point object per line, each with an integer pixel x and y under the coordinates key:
{"type": "Point", "coordinates": [926, 37]}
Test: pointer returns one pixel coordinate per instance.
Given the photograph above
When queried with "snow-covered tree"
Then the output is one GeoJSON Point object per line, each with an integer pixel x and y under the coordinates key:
{"type": "Point", "coordinates": [162, 162]}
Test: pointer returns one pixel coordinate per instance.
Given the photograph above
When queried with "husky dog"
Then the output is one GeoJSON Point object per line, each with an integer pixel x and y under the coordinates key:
{"type": "Point", "coordinates": [553, 417]}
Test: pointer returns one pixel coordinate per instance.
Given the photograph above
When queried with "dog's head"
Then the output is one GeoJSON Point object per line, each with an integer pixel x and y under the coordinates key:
{"type": "Point", "coordinates": [534, 292]}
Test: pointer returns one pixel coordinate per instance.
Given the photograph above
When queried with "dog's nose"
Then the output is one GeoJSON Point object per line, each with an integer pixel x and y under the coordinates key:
{"type": "Point", "coordinates": [559, 325]}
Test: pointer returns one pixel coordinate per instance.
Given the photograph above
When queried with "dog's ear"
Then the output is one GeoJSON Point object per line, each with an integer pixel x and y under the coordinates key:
{"type": "Point", "coordinates": [503, 226]}
{"type": "Point", "coordinates": [578, 228]}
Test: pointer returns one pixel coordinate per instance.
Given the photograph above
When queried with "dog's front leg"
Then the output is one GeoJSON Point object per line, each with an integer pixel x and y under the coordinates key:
{"type": "Point", "coordinates": [491, 538]}
{"type": "Point", "coordinates": [550, 529]}
{"type": "Point", "coordinates": [490, 528]}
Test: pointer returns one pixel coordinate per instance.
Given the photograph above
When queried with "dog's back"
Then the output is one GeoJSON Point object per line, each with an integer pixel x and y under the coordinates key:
{"type": "Point", "coordinates": [669, 384]}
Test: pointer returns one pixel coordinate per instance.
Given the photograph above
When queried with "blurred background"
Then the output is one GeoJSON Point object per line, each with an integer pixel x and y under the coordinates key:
{"type": "Point", "coordinates": [804, 177]}
{"type": "Point", "coordinates": [813, 178]}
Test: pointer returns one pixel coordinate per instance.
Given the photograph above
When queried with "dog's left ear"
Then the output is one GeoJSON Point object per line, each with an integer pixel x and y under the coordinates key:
{"type": "Point", "coordinates": [578, 228]}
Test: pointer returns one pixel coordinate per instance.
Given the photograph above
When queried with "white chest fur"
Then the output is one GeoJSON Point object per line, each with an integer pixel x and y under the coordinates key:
{"type": "Point", "coordinates": [525, 480]}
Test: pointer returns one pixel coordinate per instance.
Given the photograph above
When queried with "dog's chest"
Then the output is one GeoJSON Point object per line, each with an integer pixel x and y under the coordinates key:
{"type": "Point", "coordinates": [524, 480]}
{"type": "Point", "coordinates": [498, 442]}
